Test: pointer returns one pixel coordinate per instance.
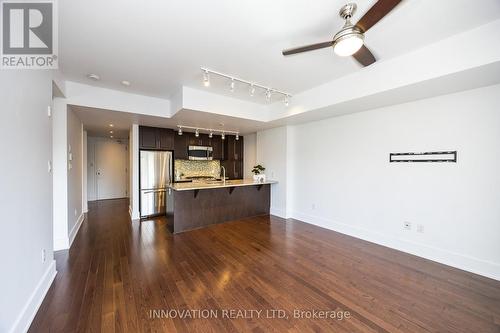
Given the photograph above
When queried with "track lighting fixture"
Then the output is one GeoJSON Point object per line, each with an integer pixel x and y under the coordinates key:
{"type": "Point", "coordinates": [286, 101]}
{"type": "Point", "coordinates": [252, 86]}
{"type": "Point", "coordinates": [206, 79]}
{"type": "Point", "coordinates": [210, 131]}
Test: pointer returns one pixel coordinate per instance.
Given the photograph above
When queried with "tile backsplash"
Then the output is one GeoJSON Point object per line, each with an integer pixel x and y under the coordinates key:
{"type": "Point", "coordinates": [187, 168]}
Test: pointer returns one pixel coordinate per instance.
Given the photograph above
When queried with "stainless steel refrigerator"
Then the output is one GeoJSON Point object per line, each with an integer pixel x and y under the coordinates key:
{"type": "Point", "coordinates": [156, 174]}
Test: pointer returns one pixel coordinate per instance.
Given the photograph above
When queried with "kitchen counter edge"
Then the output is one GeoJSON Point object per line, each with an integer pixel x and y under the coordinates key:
{"type": "Point", "coordinates": [231, 183]}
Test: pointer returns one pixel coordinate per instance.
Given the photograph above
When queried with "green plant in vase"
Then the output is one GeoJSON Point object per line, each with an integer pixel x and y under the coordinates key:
{"type": "Point", "coordinates": [258, 173]}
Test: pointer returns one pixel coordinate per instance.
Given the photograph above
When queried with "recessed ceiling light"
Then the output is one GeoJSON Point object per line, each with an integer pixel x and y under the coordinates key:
{"type": "Point", "coordinates": [110, 132]}
{"type": "Point", "coordinates": [111, 125]}
{"type": "Point", "coordinates": [126, 83]}
{"type": "Point", "coordinates": [111, 137]}
{"type": "Point", "coordinates": [94, 77]}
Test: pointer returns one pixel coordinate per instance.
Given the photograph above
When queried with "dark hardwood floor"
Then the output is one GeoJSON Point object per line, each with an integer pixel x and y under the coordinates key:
{"type": "Point", "coordinates": [117, 272]}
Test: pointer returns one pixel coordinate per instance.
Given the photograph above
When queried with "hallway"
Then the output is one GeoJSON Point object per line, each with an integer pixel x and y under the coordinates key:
{"type": "Point", "coordinates": [116, 272]}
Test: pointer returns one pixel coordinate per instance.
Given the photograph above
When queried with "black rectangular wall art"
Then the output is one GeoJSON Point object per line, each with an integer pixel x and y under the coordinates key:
{"type": "Point", "coordinates": [430, 156]}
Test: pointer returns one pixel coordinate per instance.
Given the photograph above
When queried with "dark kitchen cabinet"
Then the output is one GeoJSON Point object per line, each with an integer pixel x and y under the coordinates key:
{"type": "Point", "coordinates": [233, 157]}
{"type": "Point", "coordinates": [156, 138]}
{"type": "Point", "coordinates": [229, 151]}
{"type": "Point", "coordinates": [147, 137]}
{"type": "Point", "coordinates": [217, 147]}
{"type": "Point", "coordinates": [181, 143]}
{"type": "Point", "coordinates": [234, 169]}
{"type": "Point", "coordinates": [166, 139]}
{"type": "Point", "coordinates": [233, 149]}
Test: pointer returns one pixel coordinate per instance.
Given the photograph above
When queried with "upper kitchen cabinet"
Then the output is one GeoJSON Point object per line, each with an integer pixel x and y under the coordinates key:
{"type": "Point", "coordinates": [217, 147]}
{"type": "Point", "coordinates": [181, 143]}
{"type": "Point", "coordinates": [156, 138]}
{"type": "Point", "coordinates": [233, 149]}
{"type": "Point", "coordinates": [201, 140]}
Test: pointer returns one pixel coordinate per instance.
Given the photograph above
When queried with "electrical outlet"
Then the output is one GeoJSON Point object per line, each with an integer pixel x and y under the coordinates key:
{"type": "Point", "coordinates": [420, 228]}
{"type": "Point", "coordinates": [49, 111]}
{"type": "Point", "coordinates": [407, 225]}
{"type": "Point", "coordinates": [44, 256]}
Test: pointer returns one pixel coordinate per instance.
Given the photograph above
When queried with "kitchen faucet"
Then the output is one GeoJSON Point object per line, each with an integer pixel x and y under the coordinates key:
{"type": "Point", "coordinates": [223, 174]}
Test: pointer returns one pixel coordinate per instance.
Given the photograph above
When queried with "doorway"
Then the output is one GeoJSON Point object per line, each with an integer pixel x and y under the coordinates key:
{"type": "Point", "coordinates": [107, 165]}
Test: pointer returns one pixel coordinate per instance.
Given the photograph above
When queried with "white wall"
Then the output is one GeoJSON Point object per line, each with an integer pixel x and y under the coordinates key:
{"type": "Point", "coordinates": [134, 172]}
{"type": "Point", "coordinates": [75, 174]}
{"type": "Point", "coordinates": [91, 169]}
{"type": "Point", "coordinates": [25, 196]}
{"type": "Point", "coordinates": [60, 173]}
{"type": "Point", "coordinates": [85, 206]}
{"type": "Point", "coordinates": [342, 179]}
{"type": "Point", "coordinates": [250, 154]}
{"type": "Point", "coordinates": [272, 154]}
{"type": "Point", "coordinates": [68, 175]}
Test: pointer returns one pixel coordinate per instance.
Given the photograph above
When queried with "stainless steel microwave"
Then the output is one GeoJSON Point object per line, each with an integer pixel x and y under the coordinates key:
{"type": "Point", "coordinates": [200, 153]}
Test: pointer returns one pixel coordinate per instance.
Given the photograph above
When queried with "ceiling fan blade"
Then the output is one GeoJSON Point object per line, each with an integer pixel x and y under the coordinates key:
{"type": "Point", "coordinates": [380, 9]}
{"type": "Point", "coordinates": [364, 56]}
{"type": "Point", "coordinates": [307, 48]}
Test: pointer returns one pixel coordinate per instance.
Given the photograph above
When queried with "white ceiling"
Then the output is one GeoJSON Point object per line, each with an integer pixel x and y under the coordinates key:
{"type": "Point", "coordinates": [160, 45]}
{"type": "Point", "coordinates": [97, 121]}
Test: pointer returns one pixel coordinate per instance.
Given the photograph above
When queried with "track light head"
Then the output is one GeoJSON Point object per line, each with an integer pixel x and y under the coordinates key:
{"type": "Point", "coordinates": [180, 131]}
{"type": "Point", "coordinates": [268, 94]}
{"type": "Point", "coordinates": [210, 135]}
{"type": "Point", "coordinates": [197, 133]}
{"type": "Point", "coordinates": [252, 90]}
{"type": "Point", "coordinates": [237, 136]}
{"type": "Point", "coordinates": [223, 136]}
{"type": "Point", "coordinates": [287, 100]}
{"type": "Point", "coordinates": [206, 79]}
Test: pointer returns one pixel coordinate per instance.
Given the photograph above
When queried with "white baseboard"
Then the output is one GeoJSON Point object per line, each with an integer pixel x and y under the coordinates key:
{"type": "Point", "coordinates": [31, 307]}
{"type": "Point", "coordinates": [65, 243]}
{"type": "Point", "coordinates": [134, 216]}
{"type": "Point", "coordinates": [61, 244]}
{"type": "Point", "coordinates": [466, 263]}
{"type": "Point", "coordinates": [278, 212]}
{"type": "Point", "coordinates": [76, 228]}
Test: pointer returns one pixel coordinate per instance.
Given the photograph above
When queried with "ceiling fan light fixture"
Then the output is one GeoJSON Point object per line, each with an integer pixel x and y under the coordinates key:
{"type": "Point", "coordinates": [348, 44]}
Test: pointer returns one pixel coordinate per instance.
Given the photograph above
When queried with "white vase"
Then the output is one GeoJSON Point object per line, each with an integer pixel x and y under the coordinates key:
{"type": "Point", "coordinates": [259, 178]}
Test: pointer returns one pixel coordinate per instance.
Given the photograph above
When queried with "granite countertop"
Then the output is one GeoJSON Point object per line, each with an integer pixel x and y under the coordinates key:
{"type": "Point", "coordinates": [216, 184]}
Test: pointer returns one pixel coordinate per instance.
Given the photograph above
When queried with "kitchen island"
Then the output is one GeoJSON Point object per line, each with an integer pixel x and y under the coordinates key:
{"type": "Point", "coordinates": [196, 205]}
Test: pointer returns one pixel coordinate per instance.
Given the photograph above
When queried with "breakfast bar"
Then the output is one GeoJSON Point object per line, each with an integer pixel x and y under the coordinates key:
{"type": "Point", "coordinates": [196, 205]}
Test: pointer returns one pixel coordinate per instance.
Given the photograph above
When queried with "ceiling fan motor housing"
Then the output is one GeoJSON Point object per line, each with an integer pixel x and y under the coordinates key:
{"type": "Point", "coordinates": [347, 11]}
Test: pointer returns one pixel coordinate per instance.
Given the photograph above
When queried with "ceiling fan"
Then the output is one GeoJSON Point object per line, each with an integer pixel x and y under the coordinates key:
{"type": "Point", "coordinates": [350, 39]}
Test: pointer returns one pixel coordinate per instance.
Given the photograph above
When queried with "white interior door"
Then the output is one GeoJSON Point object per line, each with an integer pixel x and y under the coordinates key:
{"type": "Point", "coordinates": [111, 159]}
